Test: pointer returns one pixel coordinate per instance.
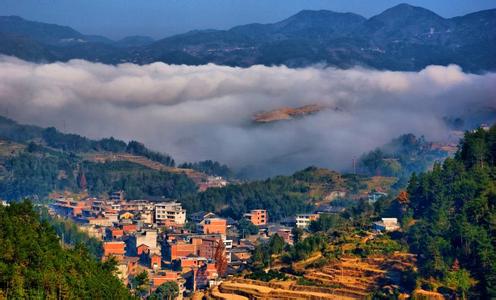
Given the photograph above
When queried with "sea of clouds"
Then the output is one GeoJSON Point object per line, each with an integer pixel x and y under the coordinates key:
{"type": "Point", "coordinates": [205, 112]}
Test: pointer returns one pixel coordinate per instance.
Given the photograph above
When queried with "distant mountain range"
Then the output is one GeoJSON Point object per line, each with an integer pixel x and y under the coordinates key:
{"type": "Point", "coordinates": [403, 37]}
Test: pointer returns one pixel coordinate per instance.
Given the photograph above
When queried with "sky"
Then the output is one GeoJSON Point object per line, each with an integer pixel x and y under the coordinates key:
{"type": "Point", "coordinates": [160, 18]}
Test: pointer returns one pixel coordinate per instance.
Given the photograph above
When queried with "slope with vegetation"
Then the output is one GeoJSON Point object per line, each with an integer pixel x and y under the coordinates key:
{"type": "Point", "coordinates": [282, 196]}
{"type": "Point", "coordinates": [400, 158]}
{"type": "Point", "coordinates": [36, 161]}
{"type": "Point", "coordinates": [454, 208]}
{"type": "Point", "coordinates": [446, 245]}
{"type": "Point", "coordinates": [34, 265]}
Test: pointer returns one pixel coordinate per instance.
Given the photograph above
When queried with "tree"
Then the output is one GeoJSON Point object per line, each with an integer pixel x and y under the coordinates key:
{"type": "Point", "coordinates": [246, 227]}
{"type": "Point", "coordinates": [166, 291]}
{"type": "Point", "coordinates": [140, 283]}
{"type": "Point", "coordinates": [33, 264]}
{"type": "Point", "coordinates": [325, 222]}
{"type": "Point", "coordinates": [460, 281]}
{"type": "Point", "coordinates": [220, 258]}
{"type": "Point", "coordinates": [297, 234]}
{"type": "Point", "coordinates": [276, 244]}
{"type": "Point", "coordinates": [454, 207]}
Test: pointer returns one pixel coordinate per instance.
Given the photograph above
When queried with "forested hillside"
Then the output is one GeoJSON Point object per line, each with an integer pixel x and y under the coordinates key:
{"type": "Point", "coordinates": [51, 137]}
{"type": "Point", "coordinates": [401, 157]}
{"type": "Point", "coordinates": [282, 196]}
{"type": "Point", "coordinates": [452, 210]}
{"type": "Point", "coordinates": [35, 162]}
{"type": "Point", "coordinates": [33, 264]}
{"type": "Point", "coordinates": [37, 171]}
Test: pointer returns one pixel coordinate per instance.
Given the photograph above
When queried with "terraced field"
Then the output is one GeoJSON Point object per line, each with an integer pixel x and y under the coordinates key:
{"type": "Point", "coordinates": [252, 289]}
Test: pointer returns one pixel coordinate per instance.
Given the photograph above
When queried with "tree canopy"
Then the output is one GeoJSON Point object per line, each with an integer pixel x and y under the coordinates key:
{"type": "Point", "coordinates": [33, 264]}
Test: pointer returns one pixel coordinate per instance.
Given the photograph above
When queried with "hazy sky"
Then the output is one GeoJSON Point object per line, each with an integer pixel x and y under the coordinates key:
{"type": "Point", "coordinates": [160, 18]}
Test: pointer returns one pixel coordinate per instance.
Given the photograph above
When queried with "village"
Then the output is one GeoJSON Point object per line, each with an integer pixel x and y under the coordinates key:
{"type": "Point", "coordinates": [195, 250]}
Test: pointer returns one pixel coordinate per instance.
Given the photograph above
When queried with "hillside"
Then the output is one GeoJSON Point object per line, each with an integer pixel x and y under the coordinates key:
{"type": "Point", "coordinates": [403, 37]}
{"type": "Point", "coordinates": [286, 113]}
{"type": "Point", "coordinates": [282, 196]}
{"type": "Point", "coordinates": [33, 264]}
{"type": "Point", "coordinates": [453, 209]}
{"type": "Point", "coordinates": [36, 161]}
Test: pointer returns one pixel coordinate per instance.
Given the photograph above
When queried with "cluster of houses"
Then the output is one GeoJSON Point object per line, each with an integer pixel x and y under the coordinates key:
{"type": "Point", "coordinates": [158, 237]}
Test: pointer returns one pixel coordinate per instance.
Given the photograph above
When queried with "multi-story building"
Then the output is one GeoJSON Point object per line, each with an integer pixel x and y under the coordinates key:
{"type": "Point", "coordinates": [212, 226]}
{"type": "Point", "coordinates": [117, 196]}
{"type": "Point", "coordinates": [303, 220]}
{"type": "Point", "coordinates": [257, 216]}
{"type": "Point", "coordinates": [137, 205]}
{"type": "Point", "coordinates": [170, 213]}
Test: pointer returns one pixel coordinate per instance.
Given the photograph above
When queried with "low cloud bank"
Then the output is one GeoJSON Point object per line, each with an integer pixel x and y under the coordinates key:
{"type": "Point", "coordinates": [205, 112]}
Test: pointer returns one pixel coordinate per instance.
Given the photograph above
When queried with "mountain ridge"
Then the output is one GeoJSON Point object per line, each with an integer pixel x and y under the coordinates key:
{"type": "Point", "coordinates": [403, 38]}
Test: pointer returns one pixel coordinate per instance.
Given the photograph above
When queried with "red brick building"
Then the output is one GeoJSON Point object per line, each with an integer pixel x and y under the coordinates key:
{"type": "Point", "coordinates": [257, 217]}
{"type": "Point", "coordinates": [213, 226]}
{"type": "Point", "coordinates": [116, 249]}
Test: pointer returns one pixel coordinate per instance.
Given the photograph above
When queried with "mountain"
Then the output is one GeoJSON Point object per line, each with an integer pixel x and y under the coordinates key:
{"type": "Point", "coordinates": [404, 37]}
{"type": "Point", "coordinates": [135, 41]}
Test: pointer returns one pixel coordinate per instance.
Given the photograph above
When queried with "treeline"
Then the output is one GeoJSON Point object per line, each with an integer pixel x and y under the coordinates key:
{"type": "Point", "coordinates": [209, 167]}
{"type": "Point", "coordinates": [280, 196]}
{"type": "Point", "coordinates": [34, 265]}
{"type": "Point", "coordinates": [38, 171]}
{"type": "Point", "coordinates": [53, 138]}
{"type": "Point", "coordinates": [454, 206]}
{"type": "Point", "coordinates": [136, 181]}
{"type": "Point", "coordinates": [36, 174]}
{"type": "Point", "coordinates": [401, 157]}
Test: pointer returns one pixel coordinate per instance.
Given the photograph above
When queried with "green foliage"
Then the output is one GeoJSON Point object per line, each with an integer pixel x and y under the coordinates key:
{"type": "Point", "coordinates": [282, 196]}
{"type": "Point", "coordinates": [276, 244]}
{"type": "Point", "coordinates": [303, 249]}
{"type": "Point", "coordinates": [140, 283]}
{"type": "Point", "coordinates": [51, 162]}
{"type": "Point", "coordinates": [71, 235]}
{"type": "Point", "coordinates": [168, 290]}
{"type": "Point", "coordinates": [53, 138]}
{"type": "Point", "coordinates": [34, 265]}
{"type": "Point", "coordinates": [137, 148]}
{"type": "Point", "coordinates": [326, 222]}
{"type": "Point", "coordinates": [136, 180]}
{"type": "Point", "coordinates": [210, 167]}
{"type": "Point", "coordinates": [308, 282]}
{"type": "Point", "coordinates": [401, 157]}
{"type": "Point", "coordinates": [297, 234]}
{"type": "Point", "coordinates": [37, 174]}
{"type": "Point", "coordinates": [262, 256]}
{"type": "Point", "coordinates": [380, 245]}
{"type": "Point", "coordinates": [459, 281]}
{"type": "Point", "coordinates": [455, 208]}
{"type": "Point", "coordinates": [246, 227]}
{"type": "Point", "coordinates": [267, 276]}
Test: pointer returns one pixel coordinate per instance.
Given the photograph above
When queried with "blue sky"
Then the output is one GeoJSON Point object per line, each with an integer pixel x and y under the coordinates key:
{"type": "Point", "coordinates": [160, 18]}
